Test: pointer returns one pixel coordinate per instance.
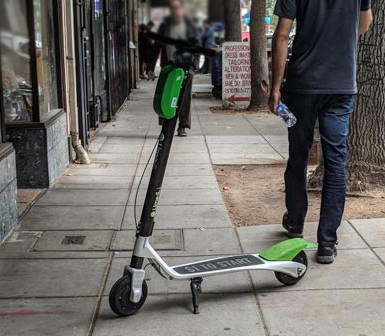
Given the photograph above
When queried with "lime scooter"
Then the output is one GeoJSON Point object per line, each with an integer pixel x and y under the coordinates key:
{"type": "Point", "coordinates": [287, 260]}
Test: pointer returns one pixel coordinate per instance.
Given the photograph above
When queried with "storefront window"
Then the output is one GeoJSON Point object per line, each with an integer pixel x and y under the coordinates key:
{"type": "Point", "coordinates": [15, 61]}
{"type": "Point", "coordinates": [2, 136]}
{"type": "Point", "coordinates": [2, 119]}
{"type": "Point", "coordinates": [46, 57]}
{"type": "Point", "coordinates": [1, 125]}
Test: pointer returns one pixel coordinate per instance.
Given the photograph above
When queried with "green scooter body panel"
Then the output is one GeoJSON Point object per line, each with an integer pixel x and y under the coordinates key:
{"type": "Point", "coordinates": [167, 91]}
{"type": "Point", "coordinates": [286, 250]}
{"type": "Point", "coordinates": [160, 88]}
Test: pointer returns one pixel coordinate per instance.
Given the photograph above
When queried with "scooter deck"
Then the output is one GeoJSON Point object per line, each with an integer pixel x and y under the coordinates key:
{"type": "Point", "coordinates": [219, 264]}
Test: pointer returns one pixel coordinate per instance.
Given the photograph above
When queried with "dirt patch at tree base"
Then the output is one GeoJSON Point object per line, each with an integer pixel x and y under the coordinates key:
{"type": "Point", "coordinates": [255, 195]}
{"type": "Point", "coordinates": [228, 110]}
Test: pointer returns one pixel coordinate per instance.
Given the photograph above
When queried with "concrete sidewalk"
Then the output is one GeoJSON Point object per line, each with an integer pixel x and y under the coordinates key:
{"type": "Point", "coordinates": [58, 267]}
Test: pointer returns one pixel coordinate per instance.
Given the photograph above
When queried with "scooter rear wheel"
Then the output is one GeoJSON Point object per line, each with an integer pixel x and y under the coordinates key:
{"type": "Point", "coordinates": [288, 280]}
{"type": "Point", "coordinates": [119, 299]}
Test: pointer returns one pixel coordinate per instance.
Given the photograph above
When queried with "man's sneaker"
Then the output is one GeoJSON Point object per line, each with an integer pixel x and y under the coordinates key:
{"type": "Point", "coordinates": [292, 231]}
{"type": "Point", "coordinates": [326, 255]}
{"type": "Point", "coordinates": [182, 132]}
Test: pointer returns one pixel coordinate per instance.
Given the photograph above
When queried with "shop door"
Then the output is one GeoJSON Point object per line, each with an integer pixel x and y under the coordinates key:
{"type": "Point", "coordinates": [88, 57]}
{"type": "Point", "coordinates": [101, 105]}
{"type": "Point", "coordinates": [83, 68]}
{"type": "Point", "coordinates": [117, 47]}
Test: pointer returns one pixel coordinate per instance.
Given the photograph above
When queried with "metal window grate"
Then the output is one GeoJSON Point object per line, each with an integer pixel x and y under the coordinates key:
{"type": "Point", "coordinates": [73, 240]}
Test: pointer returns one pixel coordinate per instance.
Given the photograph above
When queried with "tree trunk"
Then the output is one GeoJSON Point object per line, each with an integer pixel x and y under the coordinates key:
{"type": "Point", "coordinates": [366, 142]}
{"type": "Point", "coordinates": [366, 166]}
{"type": "Point", "coordinates": [216, 11]}
{"type": "Point", "coordinates": [233, 20]}
{"type": "Point", "coordinates": [259, 62]}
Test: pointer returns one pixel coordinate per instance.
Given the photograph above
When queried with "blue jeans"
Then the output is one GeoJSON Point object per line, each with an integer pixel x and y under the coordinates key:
{"type": "Point", "coordinates": [333, 113]}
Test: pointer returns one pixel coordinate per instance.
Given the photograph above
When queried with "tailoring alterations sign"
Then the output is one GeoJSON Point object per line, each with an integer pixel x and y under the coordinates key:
{"type": "Point", "coordinates": [236, 75]}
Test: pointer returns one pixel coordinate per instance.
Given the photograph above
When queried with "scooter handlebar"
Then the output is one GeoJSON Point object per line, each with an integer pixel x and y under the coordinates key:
{"type": "Point", "coordinates": [183, 45]}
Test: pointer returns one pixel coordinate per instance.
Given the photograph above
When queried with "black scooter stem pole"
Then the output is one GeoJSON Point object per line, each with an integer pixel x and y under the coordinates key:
{"type": "Point", "coordinates": [160, 164]}
{"type": "Point", "coordinates": [146, 224]}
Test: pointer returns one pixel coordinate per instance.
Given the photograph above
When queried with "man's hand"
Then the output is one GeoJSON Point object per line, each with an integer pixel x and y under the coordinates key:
{"type": "Point", "coordinates": [150, 75]}
{"type": "Point", "coordinates": [366, 19]}
{"type": "Point", "coordinates": [274, 100]}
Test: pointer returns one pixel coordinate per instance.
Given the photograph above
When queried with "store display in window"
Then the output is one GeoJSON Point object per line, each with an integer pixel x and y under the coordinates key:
{"type": "Point", "coordinates": [17, 93]}
{"type": "Point", "coordinates": [15, 61]}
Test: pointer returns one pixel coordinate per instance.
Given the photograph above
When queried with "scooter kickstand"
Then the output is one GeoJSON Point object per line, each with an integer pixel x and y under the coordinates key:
{"type": "Point", "coordinates": [196, 289]}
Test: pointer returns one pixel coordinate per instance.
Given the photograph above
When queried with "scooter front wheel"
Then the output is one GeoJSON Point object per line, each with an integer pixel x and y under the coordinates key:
{"type": "Point", "coordinates": [288, 280]}
{"type": "Point", "coordinates": [119, 299]}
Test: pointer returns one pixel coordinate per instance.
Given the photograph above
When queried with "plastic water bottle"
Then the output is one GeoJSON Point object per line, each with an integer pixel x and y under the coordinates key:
{"type": "Point", "coordinates": [288, 118]}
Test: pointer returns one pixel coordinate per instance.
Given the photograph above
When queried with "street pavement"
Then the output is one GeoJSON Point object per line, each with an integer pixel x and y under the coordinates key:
{"type": "Point", "coordinates": [57, 268]}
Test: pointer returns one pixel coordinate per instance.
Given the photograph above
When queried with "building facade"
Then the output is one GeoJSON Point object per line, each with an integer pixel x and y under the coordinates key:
{"type": "Point", "coordinates": [66, 67]}
{"type": "Point", "coordinates": [104, 40]}
{"type": "Point", "coordinates": [8, 183]}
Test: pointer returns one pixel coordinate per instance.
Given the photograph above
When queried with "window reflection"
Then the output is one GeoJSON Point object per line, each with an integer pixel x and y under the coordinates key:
{"type": "Point", "coordinates": [15, 61]}
{"type": "Point", "coordinates": [46, 65]}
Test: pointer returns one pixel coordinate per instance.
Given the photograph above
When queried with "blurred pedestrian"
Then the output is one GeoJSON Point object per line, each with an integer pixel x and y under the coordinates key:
{"type": "Point", "coordinates": [147, 50]}
{"type": "Point", "coordinates": [208, 41]}
{"type": "Point", "coordinates": [150, 26]}
{"type": "Point", "coordinates": [142, 41]}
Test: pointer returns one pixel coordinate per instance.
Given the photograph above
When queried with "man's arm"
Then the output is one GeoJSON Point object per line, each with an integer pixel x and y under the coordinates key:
{"type": "Point", "coordinates": [366, 19]}
{"type": "Point", "coordinates": [279, 56]}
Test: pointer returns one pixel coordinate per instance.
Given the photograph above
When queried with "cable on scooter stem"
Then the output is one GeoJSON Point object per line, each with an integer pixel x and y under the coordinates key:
{"type": "Point", "coordinates": [141, 180]}
{"type": "Point", "coordinates": [190, 46]}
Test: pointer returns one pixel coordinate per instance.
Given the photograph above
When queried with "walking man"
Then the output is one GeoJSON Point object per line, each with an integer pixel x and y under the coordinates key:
{"type": "Point", "coordinates": [208, 41]}
{"type": "Point", "coordinates": [321, 84]}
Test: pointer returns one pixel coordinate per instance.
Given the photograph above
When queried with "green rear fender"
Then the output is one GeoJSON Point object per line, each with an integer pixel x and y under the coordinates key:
{"type": "Point", "coordinates": [286, 250]}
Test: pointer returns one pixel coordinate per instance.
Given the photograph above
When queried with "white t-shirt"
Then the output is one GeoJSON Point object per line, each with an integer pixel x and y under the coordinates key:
{"type": "Point", "coordinates": [177, 31]}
